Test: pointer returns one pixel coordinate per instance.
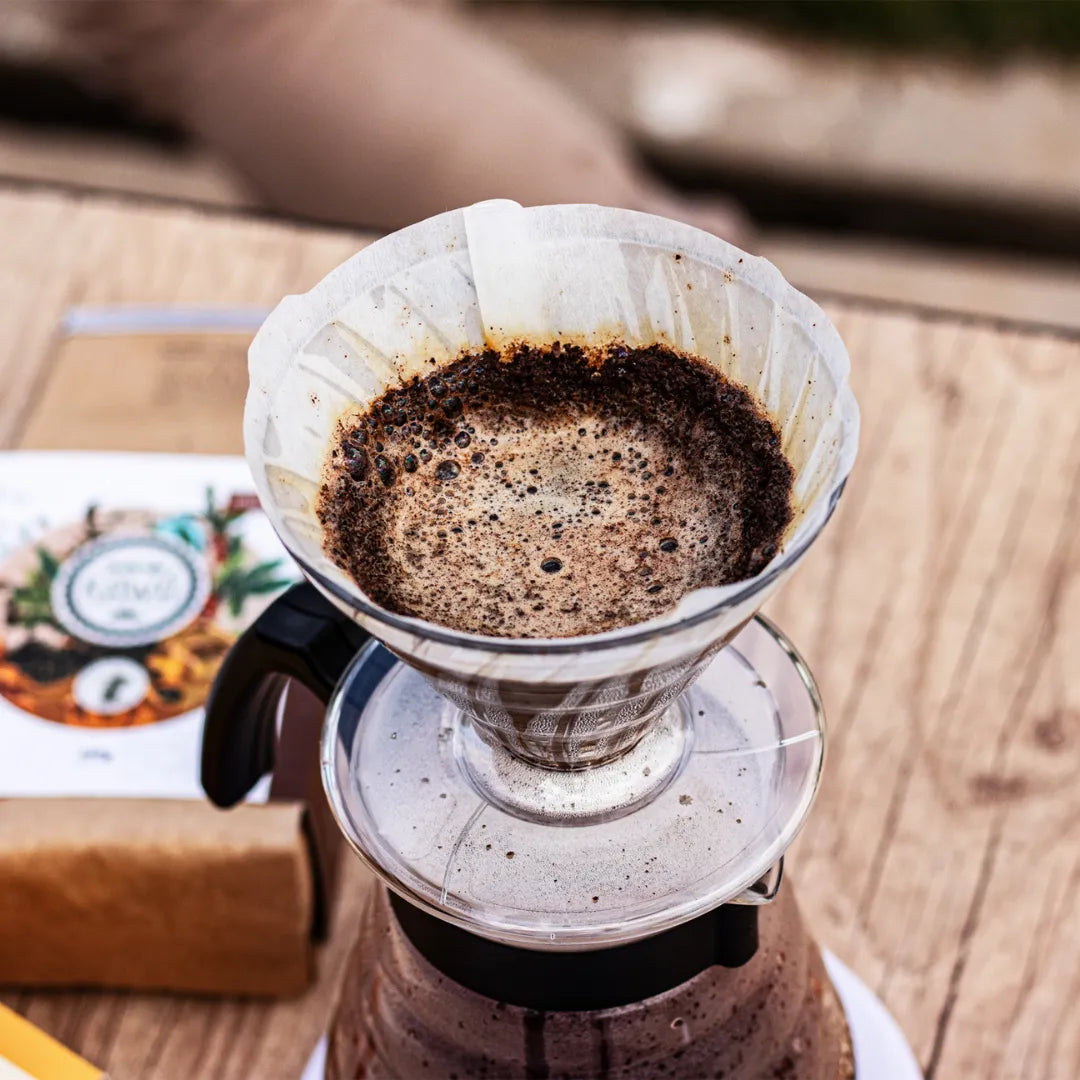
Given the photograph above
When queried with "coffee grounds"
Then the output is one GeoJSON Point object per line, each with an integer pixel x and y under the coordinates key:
{"type": "Point", "coordinates": [551, 492]}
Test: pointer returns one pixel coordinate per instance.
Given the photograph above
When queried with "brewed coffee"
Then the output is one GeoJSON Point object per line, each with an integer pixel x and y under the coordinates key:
{"type": "Point", "coordinates": [553, 492]}
{"type": "Point", "coordinates": [775, 1017]}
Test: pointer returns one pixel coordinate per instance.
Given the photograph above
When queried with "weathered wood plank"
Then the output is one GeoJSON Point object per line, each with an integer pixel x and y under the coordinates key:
{"type": "Point", "coordinates": [936, 859]}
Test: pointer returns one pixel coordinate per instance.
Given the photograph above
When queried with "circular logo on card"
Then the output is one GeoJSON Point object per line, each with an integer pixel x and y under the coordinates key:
{"type": "Point", "coordinates": [130, 590]}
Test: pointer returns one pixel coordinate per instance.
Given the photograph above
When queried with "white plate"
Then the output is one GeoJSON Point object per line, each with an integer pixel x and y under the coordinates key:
{"type": "Point", "coordinates": [881, 1051]}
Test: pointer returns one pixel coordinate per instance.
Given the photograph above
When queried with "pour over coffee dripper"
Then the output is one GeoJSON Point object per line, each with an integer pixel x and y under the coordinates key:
{"type": "Point", "coordinates": [573, 794]}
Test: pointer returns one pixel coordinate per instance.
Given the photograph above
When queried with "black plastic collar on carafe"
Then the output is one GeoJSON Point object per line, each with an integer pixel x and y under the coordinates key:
{"type": "Point", "coordinates": [585, 980]}
{"type": "Point", "coordinates": [303, 636]}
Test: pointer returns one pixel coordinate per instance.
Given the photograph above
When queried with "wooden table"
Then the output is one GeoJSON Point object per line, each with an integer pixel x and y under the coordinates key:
{"type": "Point", "coordinates": [940, 613]}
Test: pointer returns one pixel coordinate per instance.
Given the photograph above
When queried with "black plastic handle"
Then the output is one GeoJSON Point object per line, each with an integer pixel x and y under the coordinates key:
{"type": "Point", "coordinates": [301, 636]}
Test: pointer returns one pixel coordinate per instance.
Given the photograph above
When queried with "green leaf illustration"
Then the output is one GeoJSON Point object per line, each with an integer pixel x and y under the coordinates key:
{"type": "Point", "coordinates": [219, 519]}
{"type": "Point", "coordinates": [50, 567]}
{"type": "Point", "coordinates": [31, 604]}
{"type": "Point", "coordinates": [235, 583]}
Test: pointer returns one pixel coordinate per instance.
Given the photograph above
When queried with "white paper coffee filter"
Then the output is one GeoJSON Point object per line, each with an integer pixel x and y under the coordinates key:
{"type": "Point", "coordinates": [497, 273]}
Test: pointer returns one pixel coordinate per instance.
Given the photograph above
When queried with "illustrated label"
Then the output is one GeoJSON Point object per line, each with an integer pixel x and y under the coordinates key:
{"type": "Point", "coordinates": [124, 581]}
{"type": "Point", "coordinates": [125, 591]}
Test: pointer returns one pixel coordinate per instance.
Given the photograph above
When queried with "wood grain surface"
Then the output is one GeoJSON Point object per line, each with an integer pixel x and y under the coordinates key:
{"type": "Point", "coordinates": [940, 612]}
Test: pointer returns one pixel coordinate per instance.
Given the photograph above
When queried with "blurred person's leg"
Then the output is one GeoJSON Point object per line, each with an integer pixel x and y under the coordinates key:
{"type": "Point", "coordinates": [371, 113]}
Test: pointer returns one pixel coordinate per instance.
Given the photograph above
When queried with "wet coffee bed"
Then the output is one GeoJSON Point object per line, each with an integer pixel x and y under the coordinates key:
{"type": "Point", "coordinates": [550, 492]}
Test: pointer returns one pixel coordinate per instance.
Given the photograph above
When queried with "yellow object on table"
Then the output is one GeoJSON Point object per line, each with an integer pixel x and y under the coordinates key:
{"type": "Point", "coordinates": [26, 1051]}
